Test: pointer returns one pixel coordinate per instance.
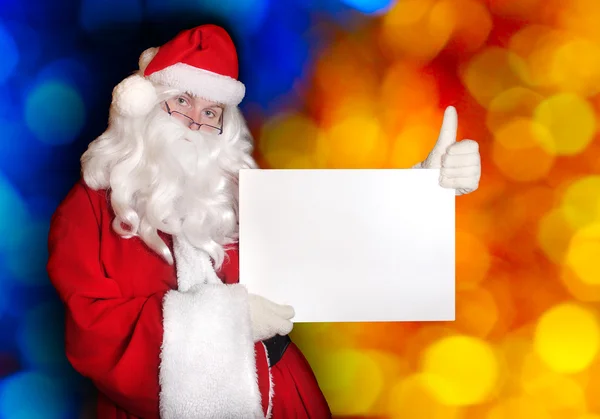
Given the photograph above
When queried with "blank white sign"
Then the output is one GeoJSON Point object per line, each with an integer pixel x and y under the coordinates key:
{"type": "Point", "coordinates": [350, 245]}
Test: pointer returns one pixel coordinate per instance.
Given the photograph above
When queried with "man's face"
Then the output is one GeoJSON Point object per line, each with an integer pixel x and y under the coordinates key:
{"type": "Point", "coordinates": [196, 113]}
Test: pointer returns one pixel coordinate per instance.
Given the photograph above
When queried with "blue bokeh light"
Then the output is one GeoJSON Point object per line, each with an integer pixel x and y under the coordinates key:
{"type": "Point", "coordinates": [73, 73]}
{"type": "Point", "coordinates": [55, 113]}
{"type": "Point", "coordinates": [370, 6]}
{"type": "Point", "coordinates": [26, 260]}
{"type": "Point", "coordinates": [98, 15]}
{"type": "Point", "coordinates": [277, 57]}
{"type": "Point", "coordinates": [27, 395]}
{"type": "Point", "coordinates": [41, 338]}
{"type": "Point", "coordinates": [9, 54]}
{"type": "Point", "coordinates": [244, 17]}
{"type": "Point", "coordinates": [13, 215]}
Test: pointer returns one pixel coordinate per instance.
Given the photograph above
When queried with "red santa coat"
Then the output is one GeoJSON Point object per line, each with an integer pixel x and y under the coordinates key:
{"type": "Point", "coordinates": [154, 349]}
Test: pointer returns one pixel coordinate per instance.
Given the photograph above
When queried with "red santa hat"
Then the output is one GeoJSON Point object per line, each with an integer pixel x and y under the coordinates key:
{"type": "Point", "coordinates": [202, 61]}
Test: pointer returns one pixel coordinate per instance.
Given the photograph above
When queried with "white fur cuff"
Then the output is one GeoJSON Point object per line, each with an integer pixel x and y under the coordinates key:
{"type": "Point", "coordinates": [208, 367]}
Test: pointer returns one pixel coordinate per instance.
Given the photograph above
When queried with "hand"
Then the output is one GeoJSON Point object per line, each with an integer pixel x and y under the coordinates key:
{"type": "Point", "coordinates": [268, 318]}
{"type": "Point", "coordinates": [459, 162]}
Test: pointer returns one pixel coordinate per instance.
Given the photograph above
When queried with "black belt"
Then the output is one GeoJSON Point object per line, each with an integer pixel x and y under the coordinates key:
{"type": "Point", "coordinates": [276, 347]}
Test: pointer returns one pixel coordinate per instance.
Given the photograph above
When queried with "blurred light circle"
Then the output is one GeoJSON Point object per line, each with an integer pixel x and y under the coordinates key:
{"type": "Point", "coordinates": [41, 337]}
{"type": "Point", "coordinates": [412, 145]}
{"type": "Point", "coordinates": [523, 164]}
{"type": "Point", "coordinates": [27, 395]}
{"type": "Point", "coordinates": [576, 67]}
{"type": "Point", "coordinates": [583, 252]}
{"type": "Point", "coordinates": [519, 407]}
{"type": "Point", "coordinates": [581, 201]}
{"type": "Point", "coordinates": [522, 133]}
{"type": "Point", "coordinates": [343, 149]}
{"type": "Point", "coordinates": [13, 215]}
{"type": "Point", "coordinates": [247, 16]}
{"type": "Point", "coordinates": [570, 119]}
{"type": "Point", "coordinates": [351, 381]}
{"type": "Point", "coordinates": [27, 43]}
{"type": "Point", "coordinates": [567, 338]}
{"type": "Point", "coordinates": [26, 260]}
{"type": "Point", "coordinates": [472, 259]}
{"type": "Point", "coordinates": [98, 15]}
{"type": "Point", "coordinates": [55, 113]}
{"type": "Point", "coordinates": [288, 140]}
{"type": "Point", "coordinates": [554, 234]}
{"type": "Point", "coordinates": [536, 46]}
{"type": "Point", "coordinates": [477, 312]}
{"type": "Point", "coordinates": [9, 54]}
{"type": "Point", "coordinates": [413, 29]}
{"type": "Point", "coordinates": [411, 398]}
{"type": "Point", "coordinates": [490, 73]}
{"type": "Point", "coordinates": [472, 23]}
{"type": "Point", "coordinates": [409, 96]}
{"type": "Point", "coordinates": [559, 392]}
{"type": "Point", "coordinates": [517, 102]}
{"type": "Point", "coordinates": [72, 72]}
{"type": "Point", "coordinates": [16, 149]}
{"type": "Point", "coordinates": [370, 6]}
{"type": "Point", "coordinates": [346, 82]}
{"type": "Point", "coordinates": [580, 290]}
{"type": "Point", "coordinates": [465, 370]}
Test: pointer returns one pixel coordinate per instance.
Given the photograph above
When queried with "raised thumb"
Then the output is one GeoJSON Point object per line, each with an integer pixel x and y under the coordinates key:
{"type": "Point", "coordinates": [446, 138]}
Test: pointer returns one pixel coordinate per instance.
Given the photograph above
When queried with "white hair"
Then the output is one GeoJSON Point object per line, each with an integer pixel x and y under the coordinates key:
{"type": "Point", "coordinates": [158, 181]}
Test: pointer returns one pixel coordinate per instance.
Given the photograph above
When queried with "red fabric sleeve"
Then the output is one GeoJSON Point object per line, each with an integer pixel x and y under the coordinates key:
{"type": "Point", "coordinates": [112, 340]}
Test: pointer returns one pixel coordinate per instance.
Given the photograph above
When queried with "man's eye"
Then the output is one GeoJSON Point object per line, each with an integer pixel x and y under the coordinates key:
{"type": "Point", "coordinates": [210, 114]}
{"type": "Point", "coordinates": [181, 101]}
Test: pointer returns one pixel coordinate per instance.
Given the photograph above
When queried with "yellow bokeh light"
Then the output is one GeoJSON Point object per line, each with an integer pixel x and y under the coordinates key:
{"type": "Point", "coordinates": [356, 142]}
{"type": "Point", "coordinates": [413, 29]}
{"type": "Point", "coordinates": [524, 164]}
{"type": "Point", "coordinates": [351, 380]}
{"type": "Point", "coordinates": [476, 312]}
{"type": "Point", "coordinates": [517, 102]}
{"type": "Point", "coordinates": [567, 338]}
{"type": "Point", "coordinates": [558, 392]}
{"type": "Point", "coordinates": [472, 23]}
{"type": "Point", "coordinates": [411, 399]}
{"type": "Point", "coordinates": [554, 234]}
{"type": "Point", "coordinates": [580, 290]}
{"type": "Point", "coordinates": [412, 145]}
{"type": "Point", "coordinates": [407, 95]}
{"type": "Point", "coordinates": [570, 119]}
{"type": "Point", "coordinates": [472, 259]}
{"type": "Point", "coordinates": [536, 47]}
{"type": "Point", "coordinates": [519, 408]}
{"type": "Point", "coordinates": [581, 201]}
{"type": "Point", "coordinates": [289, 141]}
{"type": "Point", "coordinates": [522, 133]}
{"type": "Point", "coordinates": [575, 67]}
{"type": "Point", "coordinates": [489, 73]}
{"type": "Point", "coordinates": [464, 370]}
{"type": "Point", "coordinates": [583, 253]}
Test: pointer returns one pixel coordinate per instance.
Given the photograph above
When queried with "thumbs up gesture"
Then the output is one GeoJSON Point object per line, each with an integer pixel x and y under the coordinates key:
{"type": "Point", "coordinates": [459, 162]}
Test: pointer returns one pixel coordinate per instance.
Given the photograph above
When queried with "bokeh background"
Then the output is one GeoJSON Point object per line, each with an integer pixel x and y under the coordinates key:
{"type": "Point", "coordinates": [347, 84]}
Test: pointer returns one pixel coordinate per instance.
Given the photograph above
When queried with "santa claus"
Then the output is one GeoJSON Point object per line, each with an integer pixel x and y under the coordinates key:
{"type": "Point", "coordinates": [143, 250]}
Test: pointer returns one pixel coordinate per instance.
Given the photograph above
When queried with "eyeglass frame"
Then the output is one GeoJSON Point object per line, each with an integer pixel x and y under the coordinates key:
{"type": "Point", "coordinates": [170, 112]}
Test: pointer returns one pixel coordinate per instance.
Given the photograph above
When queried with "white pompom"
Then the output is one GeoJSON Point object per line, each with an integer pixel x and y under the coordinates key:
{"type": "Point", "coordinates": [135, 96]}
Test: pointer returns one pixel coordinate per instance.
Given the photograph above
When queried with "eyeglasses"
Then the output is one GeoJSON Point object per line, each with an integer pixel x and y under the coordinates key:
{"type": "Point", "coordinates": [190, 122]}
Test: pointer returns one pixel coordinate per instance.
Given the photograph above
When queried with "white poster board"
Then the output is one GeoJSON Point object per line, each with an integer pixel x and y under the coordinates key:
{"type": "Point", "coordinates": [350, 245]}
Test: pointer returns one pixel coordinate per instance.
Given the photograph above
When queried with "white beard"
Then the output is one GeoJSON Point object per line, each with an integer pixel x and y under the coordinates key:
{"type": "Point", "coordinates": [165, 177]}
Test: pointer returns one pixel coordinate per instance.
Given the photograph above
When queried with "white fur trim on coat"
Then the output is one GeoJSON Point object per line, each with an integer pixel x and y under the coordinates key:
{"type": "Point", "coordinates": [202, 83]}
{"type": "Point", "coordinates": [271, 387]}
{"type": "Point", "coordinates": [208, 364]}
